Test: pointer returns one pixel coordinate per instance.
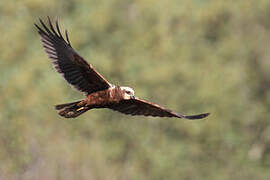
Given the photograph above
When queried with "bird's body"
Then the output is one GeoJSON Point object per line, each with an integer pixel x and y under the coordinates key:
{"type": "Point", "coordinates": [100, 99]}
{"type": "Point", "coordinates": [108, 96]}
{"type": "Point", "coordinates": [99, 92]}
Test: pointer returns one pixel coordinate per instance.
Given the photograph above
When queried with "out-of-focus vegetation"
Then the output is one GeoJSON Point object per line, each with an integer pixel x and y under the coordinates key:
{"type": "Point", "coordinates": [189, 55]}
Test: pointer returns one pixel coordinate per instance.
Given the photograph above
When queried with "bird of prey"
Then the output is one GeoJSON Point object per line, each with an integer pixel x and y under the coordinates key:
{"type": "Point", "coordinates": [98, 91]}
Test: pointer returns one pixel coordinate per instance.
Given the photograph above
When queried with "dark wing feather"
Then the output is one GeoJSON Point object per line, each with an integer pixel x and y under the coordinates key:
{"type": "Point", "coordinates": [141, 107]}
{"type": "Point", "coordinates": [67, 62]}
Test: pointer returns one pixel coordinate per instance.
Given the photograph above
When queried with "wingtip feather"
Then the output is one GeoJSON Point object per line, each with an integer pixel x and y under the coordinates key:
{"type": "Point", "coordinates": [198, 116]}
{"type": "Point", "coordinates": [58, 29]}
{"type": "Point", "coordinates": [67, 38]}
{"type": "Point", "coordinates": [51, 26]}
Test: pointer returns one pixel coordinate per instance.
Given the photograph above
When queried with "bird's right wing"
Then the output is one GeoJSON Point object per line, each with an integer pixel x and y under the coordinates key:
{"type": "Point", "coordinates": [67, 62]}
{"type": "Point", "coordinates": [141, 107]}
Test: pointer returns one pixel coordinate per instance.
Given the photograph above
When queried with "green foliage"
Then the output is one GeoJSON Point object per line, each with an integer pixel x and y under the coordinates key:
{"type": "Point", "coordinates": [190, 56]}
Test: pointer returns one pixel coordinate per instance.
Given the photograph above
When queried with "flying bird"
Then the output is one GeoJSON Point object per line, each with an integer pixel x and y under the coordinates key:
{"type": "Point", "coordinates": [98, 91]}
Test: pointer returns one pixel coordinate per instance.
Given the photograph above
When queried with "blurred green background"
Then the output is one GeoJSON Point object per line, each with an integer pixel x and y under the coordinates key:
{"type": "Point", "coordinates": [191, 56]}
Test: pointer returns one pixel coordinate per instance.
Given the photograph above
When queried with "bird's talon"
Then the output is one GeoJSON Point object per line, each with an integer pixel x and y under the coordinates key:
{"type": "Point", "coordinates": [82, 108]}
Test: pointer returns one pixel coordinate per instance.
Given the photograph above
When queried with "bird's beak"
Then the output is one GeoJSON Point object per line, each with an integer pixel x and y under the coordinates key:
{"type": "Point", "coordinates": [132, 97]}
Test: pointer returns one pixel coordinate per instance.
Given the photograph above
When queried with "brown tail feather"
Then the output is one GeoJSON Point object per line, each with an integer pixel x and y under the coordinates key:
{"type": "Point", "coordinates": [61, 106]}
{"type": "Point", "coordinates": [70, 110]}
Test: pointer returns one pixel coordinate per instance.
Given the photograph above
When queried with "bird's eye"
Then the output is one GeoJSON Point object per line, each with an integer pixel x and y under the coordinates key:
{"type": "Point", "coordinates": [128, 92]}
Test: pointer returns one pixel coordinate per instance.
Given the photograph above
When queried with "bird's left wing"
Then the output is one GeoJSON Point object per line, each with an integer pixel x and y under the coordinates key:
{"type": "Point", "coordinates": [141, 107]}
{"type": "Point", "coordinates": [67, 62]}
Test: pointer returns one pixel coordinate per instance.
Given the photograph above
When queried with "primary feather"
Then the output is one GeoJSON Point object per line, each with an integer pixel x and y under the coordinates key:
{"type": "Point", "coordinates": [67, 62]}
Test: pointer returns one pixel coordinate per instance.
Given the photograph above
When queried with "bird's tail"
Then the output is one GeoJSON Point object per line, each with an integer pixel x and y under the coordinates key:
{"type": "Point", "coordinates": [71, 110]}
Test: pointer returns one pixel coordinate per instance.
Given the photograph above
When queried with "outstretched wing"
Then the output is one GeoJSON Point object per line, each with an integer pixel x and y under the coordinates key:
{"type": "Point", "coordinates": [141, 107]}
{"type": "Point", "coordinates": [67, 62]}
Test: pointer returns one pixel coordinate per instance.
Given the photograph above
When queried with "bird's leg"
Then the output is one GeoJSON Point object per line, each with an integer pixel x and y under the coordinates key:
{"type": "Point", "coordinates": [81, 105]}
{"type": "Point", "coordinates": [80, 109]}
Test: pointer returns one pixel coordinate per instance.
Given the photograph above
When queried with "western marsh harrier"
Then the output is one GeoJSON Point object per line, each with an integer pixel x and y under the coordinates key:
{"type": "Point", "coordinates": [99, 92]}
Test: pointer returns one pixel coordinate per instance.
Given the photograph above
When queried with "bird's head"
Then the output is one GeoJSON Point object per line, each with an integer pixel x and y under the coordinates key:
{"type": "Point", "coordinates": [128, 93]}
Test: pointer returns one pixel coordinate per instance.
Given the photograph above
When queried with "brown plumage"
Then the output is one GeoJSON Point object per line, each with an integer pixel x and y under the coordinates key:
{"type": "Point", "coordinates": [99, 92]}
